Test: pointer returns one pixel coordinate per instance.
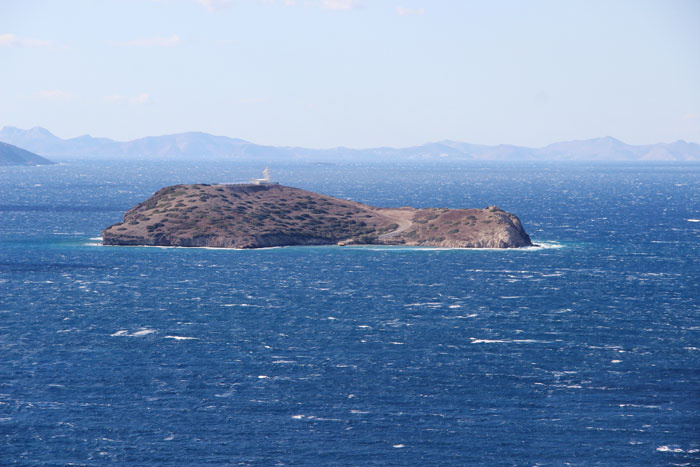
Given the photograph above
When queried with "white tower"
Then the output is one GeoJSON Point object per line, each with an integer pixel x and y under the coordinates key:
{"type": "Point", "coordinates": [266, 180]}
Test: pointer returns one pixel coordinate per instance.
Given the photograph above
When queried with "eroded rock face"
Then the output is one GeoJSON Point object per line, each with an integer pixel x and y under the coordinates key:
{"type": "Point", "coordinates": [256, 216]}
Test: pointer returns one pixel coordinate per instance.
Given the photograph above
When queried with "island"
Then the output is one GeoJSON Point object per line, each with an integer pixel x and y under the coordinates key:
{"type": "Point", "coordinates": [12, 155]}
{"type": "Point", "coordinates": [264, 214]}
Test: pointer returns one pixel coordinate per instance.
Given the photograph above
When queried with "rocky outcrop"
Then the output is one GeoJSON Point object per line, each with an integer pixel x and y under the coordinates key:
{"type": "Point", "coordinates": [257, 216]}
{"type": "Point", "coordinates": [463, 228]}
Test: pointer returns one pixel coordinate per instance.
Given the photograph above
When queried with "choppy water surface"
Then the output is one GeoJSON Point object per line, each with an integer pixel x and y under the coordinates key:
{"type": "Point", "coordinates": [583, 351]}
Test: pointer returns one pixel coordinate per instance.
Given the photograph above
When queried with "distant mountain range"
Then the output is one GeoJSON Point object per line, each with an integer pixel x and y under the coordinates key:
{"type": "Point", "coordinates": [203, 146]}
{"type": "Point", "coordinates": [12, 155]}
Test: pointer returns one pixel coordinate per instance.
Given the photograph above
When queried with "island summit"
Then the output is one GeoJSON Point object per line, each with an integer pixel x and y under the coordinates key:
{"type": "Point", "coordinates": [263, 213]}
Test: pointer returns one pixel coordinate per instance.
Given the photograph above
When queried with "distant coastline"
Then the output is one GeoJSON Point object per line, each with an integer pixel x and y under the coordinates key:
{"type": "Point", "coordinates": [204, 146]}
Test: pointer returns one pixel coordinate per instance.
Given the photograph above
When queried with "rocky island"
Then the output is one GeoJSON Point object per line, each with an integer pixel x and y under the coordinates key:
{"type": "Point", "coordinates": [264, 214]}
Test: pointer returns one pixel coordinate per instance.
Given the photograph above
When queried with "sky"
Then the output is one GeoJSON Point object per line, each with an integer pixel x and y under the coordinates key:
{"type": "Point", "coordinates": [356, 73]}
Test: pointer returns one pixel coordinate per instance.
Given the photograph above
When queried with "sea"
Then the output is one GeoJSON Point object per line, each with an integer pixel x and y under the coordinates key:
{"type": "Point", "coordinates": [582, 350]}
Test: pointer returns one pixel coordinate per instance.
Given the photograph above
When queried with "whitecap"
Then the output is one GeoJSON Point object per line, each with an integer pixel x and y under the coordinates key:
{"type": "Point", "coordinates": [125, 333]}
{"type": "Point", "coordinates": [506, 341]}
{"type": "Point", "coordinates": [641, 406]}
{"type": "Point", "coordinates": [668, 449]}
{"type": "Point", "coordinates": [399, 446]}
{"type": "Point", "coordinates": [539, 245]}
{"type": "Point", "coordinates": [181, 338]}
{"type": "Point", "coordinates": [693, 220]}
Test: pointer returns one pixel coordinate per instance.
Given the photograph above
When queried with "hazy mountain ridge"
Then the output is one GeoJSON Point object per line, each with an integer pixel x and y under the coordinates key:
{"type": "Point", "coordinates": [205, 146]}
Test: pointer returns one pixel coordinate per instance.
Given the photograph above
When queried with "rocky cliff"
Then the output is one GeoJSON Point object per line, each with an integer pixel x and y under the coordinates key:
{"type": "Point", "coordinates": [256, 216]}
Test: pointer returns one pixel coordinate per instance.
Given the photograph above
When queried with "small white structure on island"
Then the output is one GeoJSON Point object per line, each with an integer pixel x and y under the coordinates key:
{"type": "Point", "coordinates": [266, 180]}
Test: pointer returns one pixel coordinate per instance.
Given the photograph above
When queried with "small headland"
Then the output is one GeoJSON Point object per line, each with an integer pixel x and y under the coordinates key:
{"type": "Point", "coordinates": [12, 155]}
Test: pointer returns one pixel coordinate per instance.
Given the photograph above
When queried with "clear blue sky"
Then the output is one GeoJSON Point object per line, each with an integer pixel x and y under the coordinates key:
{"type": "Point", "coordinates": [357, 73]}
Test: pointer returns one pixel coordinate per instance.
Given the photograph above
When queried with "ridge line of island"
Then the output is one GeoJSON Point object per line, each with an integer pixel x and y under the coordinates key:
{"type": "Point", "coordinates": [264, 214]}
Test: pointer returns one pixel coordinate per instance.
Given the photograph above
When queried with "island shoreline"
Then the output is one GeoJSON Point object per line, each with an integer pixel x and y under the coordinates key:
{"type": "Point", "coordinates": [265, 214]}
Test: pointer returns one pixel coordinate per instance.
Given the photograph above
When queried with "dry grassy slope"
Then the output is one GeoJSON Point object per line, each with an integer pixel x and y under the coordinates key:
{"type": "Point", "coordinates": [254, 216]}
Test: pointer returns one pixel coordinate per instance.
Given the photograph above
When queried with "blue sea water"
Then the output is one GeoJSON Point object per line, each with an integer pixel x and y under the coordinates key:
{"type": "Point", "coordinates": [583, 351]}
